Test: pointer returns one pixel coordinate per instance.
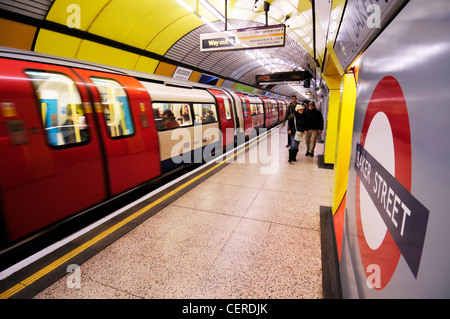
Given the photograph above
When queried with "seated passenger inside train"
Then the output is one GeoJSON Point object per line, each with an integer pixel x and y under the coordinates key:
{"type": "Point", "coordinates": [209, 117]}
{"type": "Point", "coordinates": [169, 120]}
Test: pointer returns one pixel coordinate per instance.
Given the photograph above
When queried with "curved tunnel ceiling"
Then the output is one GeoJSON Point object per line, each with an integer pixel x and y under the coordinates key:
{"type": "Point", "coordinates": [155, 36]}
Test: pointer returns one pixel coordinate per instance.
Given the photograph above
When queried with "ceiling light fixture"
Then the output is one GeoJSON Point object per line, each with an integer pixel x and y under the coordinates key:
{"type": "Point", "coordinates": [206, 21]}
{"type": "Point", "coordinates": [286, 19]}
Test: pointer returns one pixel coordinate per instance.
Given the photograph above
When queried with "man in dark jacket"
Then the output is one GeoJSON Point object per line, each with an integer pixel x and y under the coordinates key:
{"type": "Point", "coordinates": [289, 112]}
{"type": "Point", "coordinates": [314, 127]}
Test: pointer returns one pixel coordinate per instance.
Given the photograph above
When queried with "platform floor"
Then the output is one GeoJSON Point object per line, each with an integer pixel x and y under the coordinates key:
{"type": "Point", "coordinates": [252, 230]}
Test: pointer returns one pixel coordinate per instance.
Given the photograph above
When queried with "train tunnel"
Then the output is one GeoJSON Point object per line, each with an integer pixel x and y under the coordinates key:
{"type": "Point", "coordinates": [376, 70]}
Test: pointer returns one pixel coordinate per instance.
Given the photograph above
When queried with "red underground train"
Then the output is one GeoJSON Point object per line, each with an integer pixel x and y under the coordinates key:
{"type": "Point", "coordinates": [74, 134]}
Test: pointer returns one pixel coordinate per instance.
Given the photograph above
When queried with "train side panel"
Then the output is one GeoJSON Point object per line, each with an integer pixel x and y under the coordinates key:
{"type": "Point", "coordinates": [49, 168]}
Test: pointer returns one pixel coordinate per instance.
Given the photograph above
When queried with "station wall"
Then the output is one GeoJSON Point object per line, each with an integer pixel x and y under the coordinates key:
{"type": "Point", "coordinates": [394, 226]}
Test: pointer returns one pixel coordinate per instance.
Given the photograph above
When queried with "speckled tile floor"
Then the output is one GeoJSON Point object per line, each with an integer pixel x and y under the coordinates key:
{"type": "Point", "coordinates": [250, 231]}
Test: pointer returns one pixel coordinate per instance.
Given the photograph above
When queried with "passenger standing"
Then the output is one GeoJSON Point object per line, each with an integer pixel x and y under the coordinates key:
{"type": "Point", "coordinates": [158, 120]}
{"type": "Point", "coordinates": [68, 128]}
{"type": "Point", "coordinates": [296, 124]}
{"type": "Point", "coordinates": [314, 127]}
{"type": "Point", "coordinates": [289, 112]}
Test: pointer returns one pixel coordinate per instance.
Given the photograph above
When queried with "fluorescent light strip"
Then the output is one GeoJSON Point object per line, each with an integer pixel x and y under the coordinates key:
{"type": "Point", "coordinates": [185, 5]}
{"type": "Point", "coordinates": [213, 10]}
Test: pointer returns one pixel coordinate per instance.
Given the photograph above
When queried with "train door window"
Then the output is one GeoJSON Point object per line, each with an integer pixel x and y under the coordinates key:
{"type": "Point", "coordinates": [254, 108]}
{"type": "Point", "coordinates": [171, 115]}
{"type": "Point", "coordinates": [116, 108]}
{"type": "Point", "coordinates": [61, 109]}
{"type": "Point", "coordinates": [227, 105]}
{"type": "Point", "coordinates": [245, 107]}
{"type": "Point", "coordinates": [205, 113]}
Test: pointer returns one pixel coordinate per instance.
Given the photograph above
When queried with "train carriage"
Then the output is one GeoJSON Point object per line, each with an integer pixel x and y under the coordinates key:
{"type": "Point", "coordinates": [74, 135]}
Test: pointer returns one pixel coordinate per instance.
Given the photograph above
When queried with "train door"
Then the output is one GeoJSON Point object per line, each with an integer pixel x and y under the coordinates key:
{"type": "Point", "coordinates": [275, 111]}
{"type": "Point", "coordinates": [225, 116]}
{"type": "Point", "coordinates": [127, 128]}
{"type": "Point", "coordinates": [267, 113]}
{"type": "Point", "coordinates": [51, 165]}
{"type": "Point", "coordinates": [281, 110]}
{"type": "Point", "coordinates": [247, 114]}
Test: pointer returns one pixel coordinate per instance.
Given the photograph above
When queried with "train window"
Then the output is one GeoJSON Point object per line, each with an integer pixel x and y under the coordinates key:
{"type": "Point", "coordinates": [226, 104]}
{"type": "Point", "coordinates": [171, 115]}
{"type": "Point", "coordinates": [257, 108]}
{"type": "Point", "coordinates": [61, 109]}
{"type": "Point", "coordinates": [205, 113]}
{"type": "Point", "coordinates": [116, 108]}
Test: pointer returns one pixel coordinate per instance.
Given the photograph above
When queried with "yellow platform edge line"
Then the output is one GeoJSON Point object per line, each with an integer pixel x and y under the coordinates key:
{"type": "Point", "coordinates": [44, 271]}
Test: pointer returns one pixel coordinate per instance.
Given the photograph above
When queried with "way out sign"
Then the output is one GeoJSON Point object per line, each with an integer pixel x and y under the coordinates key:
{"type": "Point", "coordinates": [241, 39]}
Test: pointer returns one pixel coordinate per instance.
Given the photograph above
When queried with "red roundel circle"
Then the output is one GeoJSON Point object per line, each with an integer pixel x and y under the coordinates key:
{"type": "Point", "coordinates": [387, 98]}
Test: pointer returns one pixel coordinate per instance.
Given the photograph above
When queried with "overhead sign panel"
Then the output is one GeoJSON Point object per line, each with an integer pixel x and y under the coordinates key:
{"type": "Point", "coordinates": [280, 77]}
{"type": "Point", "coordinates": [362, 22]}
{"type": "Point", "coordinates": [241, 39]}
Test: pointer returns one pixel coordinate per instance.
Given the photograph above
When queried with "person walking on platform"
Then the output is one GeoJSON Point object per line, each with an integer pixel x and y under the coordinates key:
{"type": "Point", "coordinates": [296, 129]}
{"type": "Point", "coordinates": [289, 112]}
{"type": "Point", "coordinates": [314, 127]}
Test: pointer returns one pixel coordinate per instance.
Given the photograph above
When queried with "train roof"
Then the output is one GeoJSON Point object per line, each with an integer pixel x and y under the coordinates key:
{"type": "Point", "coordinates": [24, 55]}
{"type": "Point", "coordinates": [10, 53]}
{"type": "Point", "coordinates": [167, 92]}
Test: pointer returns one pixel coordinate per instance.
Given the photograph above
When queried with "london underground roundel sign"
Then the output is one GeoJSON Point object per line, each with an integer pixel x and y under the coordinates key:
{"type": "Point", "coordinates": [390, 221]}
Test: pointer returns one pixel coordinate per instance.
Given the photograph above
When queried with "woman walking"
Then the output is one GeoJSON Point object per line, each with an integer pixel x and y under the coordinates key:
{"type": "Point", "coordinates": [296, 124]}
